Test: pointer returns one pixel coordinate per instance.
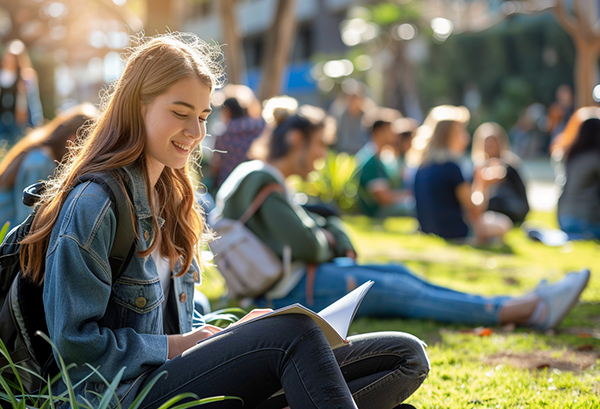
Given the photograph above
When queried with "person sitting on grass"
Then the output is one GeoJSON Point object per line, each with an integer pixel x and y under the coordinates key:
{"type": "Point", "coordinates": [324, 266]}
{"type": "Point", "coordinates": [379, 184]}
{"type": "Point", "coordinates": [447, 204]}
{"type": "Point", "coordinates": [579, 202]}
{"type": "Point", "coordinates": [509, 195]}
{"type": "Point", "coordinates": [139, 326]}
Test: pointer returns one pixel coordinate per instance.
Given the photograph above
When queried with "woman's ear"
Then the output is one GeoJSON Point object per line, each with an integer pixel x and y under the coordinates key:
{"type": "Point", "coordinates": [294, 139]}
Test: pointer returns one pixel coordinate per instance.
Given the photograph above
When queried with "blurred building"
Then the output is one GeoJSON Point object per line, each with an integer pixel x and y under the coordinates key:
{"type": "Point", "coordinates": [318, 34]}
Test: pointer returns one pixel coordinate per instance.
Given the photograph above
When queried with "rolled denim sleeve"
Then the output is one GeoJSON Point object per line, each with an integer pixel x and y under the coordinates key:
{"type": "Point", "coordinates": [77, 294]}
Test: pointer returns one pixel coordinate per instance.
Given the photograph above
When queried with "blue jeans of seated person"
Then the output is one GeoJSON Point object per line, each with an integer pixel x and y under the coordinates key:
{"type": "Point", "coordinates": [255, 360]}
{"type": "Point", "coordinates": [396, 293]}
{"type": "Point", "coordinates": [578, 228]}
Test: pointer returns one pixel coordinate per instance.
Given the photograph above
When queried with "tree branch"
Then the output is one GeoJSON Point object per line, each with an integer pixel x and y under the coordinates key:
{"type": "Point", "coordinates": [565, 20]}
{"type": "Point", "coordinates": [582, 20]}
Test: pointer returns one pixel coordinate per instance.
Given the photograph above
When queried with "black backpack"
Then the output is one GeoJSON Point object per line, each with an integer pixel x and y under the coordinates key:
{"type": "Point", "coordinates": [22, 313]}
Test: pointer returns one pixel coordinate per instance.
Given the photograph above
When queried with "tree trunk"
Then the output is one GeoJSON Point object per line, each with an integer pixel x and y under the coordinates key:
{"type": "Point", "coordinates": [279, 45]}
{"type": "Point", "coordinates": [586, 72]}
{"type": "Point", "coordinates": [234, 56]}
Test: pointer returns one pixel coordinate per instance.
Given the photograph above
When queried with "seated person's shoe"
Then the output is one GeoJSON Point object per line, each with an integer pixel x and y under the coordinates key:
{"type": "Point", "coordinates": [560, 297]}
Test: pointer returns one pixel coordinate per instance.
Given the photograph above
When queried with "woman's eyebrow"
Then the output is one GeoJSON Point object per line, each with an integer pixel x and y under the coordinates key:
{"type": "Point", "coordinates": [190, 106]}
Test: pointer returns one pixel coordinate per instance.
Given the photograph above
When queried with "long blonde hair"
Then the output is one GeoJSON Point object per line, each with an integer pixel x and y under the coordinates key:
{"type": "Point", "coordinates": [118, 139]}
{"type": "Point", "coordinates": [431, 140]}
{"type": "Point", "coordinates": [491, 130]}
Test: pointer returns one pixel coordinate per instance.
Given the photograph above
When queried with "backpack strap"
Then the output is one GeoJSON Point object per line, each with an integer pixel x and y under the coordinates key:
{"type": "Point", "coordinates": [123, 246]}
{"type": "Point", "coordinates": [262, 195]}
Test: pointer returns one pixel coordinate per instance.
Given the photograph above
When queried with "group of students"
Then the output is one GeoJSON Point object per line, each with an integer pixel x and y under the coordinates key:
{"type": "Point", "coordinates": [148, 132]}
{"type": "Point", "coordinates": [482, 201]}
{"type": "Point", "coordinates": [477, 204]}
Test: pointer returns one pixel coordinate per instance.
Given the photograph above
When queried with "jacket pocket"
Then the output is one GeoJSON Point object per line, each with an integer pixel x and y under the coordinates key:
{"type": "Point", "coordinates": [139, 305]}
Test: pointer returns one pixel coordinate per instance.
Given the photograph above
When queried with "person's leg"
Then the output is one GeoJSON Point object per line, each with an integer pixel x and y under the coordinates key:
{"type": "Point", "coordinates": [492, 225]}
{"type": "Point", "coordinates": [396, 293]}
{"type": "Point", "coordinates": [399, 293]}
{"type": "Point", "coordinates": [254, 360]}
{"type": "Point", "coordinates": [578, 228]}
{"type": "Point", "coordinates": [382, 369]}
{"type": "Point", "coordinates": [403, 209]}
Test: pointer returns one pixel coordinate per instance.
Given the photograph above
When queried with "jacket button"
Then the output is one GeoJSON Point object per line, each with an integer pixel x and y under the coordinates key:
{"type": "Point", "coordinates": [182, 297]}
{"type": "Point", "coordinates": [146, 235]}
{"type": "Point", "coordinates": [140, 302]}
{"type": "Point", "coordinates": [196, 277]}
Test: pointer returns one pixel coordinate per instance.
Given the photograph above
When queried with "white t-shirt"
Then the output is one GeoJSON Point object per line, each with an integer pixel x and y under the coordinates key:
{"type": "Point", "coordinates": [164, 272]}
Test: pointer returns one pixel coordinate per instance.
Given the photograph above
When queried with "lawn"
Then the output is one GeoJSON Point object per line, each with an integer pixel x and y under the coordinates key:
{"type": "Point", "coordinates": [505, 367]}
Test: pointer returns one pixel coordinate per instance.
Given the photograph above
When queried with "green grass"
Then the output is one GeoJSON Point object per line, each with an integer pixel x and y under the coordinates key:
{"type": "Point", "coordinates": [511, 368]}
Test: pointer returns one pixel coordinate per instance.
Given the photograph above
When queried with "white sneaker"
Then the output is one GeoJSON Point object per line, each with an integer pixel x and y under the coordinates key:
{"type": "Point", "coordinates": [560, 297]}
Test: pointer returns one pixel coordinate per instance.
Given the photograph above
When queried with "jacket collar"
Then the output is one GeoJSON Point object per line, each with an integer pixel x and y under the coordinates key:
{"type": "Point", "coordinates": [137, 184]}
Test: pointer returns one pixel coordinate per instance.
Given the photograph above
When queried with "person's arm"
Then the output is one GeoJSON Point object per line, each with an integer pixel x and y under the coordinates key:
{"type": "Point", "coordinates": [343, 245]}
{"type": "Point", "coordinates": [385, 196]}
{"type": "Point", "coordinates": [279, 224]}
{"type": "Point", "coordinates": [77, 292]}
{"type": "Point", "coordinates": [474, 198]}
{"type": "Point", "coordinates": [181, 342]}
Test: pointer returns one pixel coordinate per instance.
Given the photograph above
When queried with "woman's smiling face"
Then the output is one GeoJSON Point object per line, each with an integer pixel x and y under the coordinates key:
{"type": "Point", "coordinates": [175, 124]}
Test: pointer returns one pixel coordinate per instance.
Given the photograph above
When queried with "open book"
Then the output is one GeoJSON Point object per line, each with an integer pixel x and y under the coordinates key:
{"type": "Point", "coordinates": [334, 320]}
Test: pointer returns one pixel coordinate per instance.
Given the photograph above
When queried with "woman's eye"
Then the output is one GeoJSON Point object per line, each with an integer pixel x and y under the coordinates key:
{"type": "Point", "coordinates": [180, 115]}
{"type": "Point", "coordinates": [201, 119]}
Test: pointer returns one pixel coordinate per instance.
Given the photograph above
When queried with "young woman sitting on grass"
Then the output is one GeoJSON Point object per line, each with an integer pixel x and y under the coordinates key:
{"type": "Point", "coordinates": [447, 204]}
{"type": "Point", "coordinates": [323, 257]}
{"type": "Point", "coordinates": [149, 128]}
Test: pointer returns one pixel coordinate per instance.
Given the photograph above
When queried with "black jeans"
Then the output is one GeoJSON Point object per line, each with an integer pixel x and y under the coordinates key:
{"type": "Point", "coordinates": [253, 361]}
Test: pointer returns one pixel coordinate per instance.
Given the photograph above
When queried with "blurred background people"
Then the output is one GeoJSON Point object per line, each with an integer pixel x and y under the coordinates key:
{"type": "Point", "coordinates": [35, 157]}
{"type": "Point", "coordinates": [446, 204]}
{"type": "Point", "coordinates": [528, 139]}
{"type": "Point", "coordinates": [348, 110]}
{"type": "Point", "coordinates": [240, 130]}
{"type": "Point", "coordinates": [509, 195]}
{"type": "Point", "coordinates": [20, 105]}
{"type": "Point", "coordinates": [323, 266]}
{"type": "Point", "coordinates": [380, 192]}
{"type": "Point", "coordinates": [579, 203]}
{"type": "Point", "coordinates": [560, 111]}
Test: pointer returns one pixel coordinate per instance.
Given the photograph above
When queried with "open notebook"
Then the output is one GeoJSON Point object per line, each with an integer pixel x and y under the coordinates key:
{"type": "Point", "coordinates": [334, 320]}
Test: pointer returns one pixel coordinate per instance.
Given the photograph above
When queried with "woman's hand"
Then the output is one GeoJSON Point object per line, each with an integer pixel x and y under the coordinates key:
{"type": "Point", "coordinates": [180, 342]}
{"type": "Point", "coordinates": [492, 172]}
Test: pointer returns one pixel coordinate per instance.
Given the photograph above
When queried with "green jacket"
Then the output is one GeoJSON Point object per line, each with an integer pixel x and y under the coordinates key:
{"type": "Point", "coordinates": [280, 221]}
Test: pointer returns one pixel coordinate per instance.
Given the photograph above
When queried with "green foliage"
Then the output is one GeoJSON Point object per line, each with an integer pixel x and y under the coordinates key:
{"type": "Point", "coordinates": [14, 392]}
{"type": "Point", "coordinates": [387, 13]}
{"type": "Point", "coordinates": [333, 181]}
{"type": "Point", "coordinates": [4, 230]}
{"type": "Point", "coordinates": [508, 64]}
{"type": "Point", "coordinates": [224, 317]}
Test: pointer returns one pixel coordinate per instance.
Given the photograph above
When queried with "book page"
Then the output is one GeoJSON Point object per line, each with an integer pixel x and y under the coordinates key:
{"type": "Point", "coordinates": [334, 320]}
{"type": "Point", "coordinates": [341, 313]}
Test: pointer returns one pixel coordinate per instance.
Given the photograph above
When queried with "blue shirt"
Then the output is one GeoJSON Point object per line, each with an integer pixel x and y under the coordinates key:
{"type": "Point", "coordinates": [35, 167]}
{"type": "Point", "coordinates": [438, 209]}
{"type": "Point", "coordinates": [92, 320]}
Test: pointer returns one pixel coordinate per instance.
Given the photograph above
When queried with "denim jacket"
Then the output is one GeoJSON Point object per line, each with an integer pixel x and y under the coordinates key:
{"type": "Point", "coordinates": [94, 321]}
